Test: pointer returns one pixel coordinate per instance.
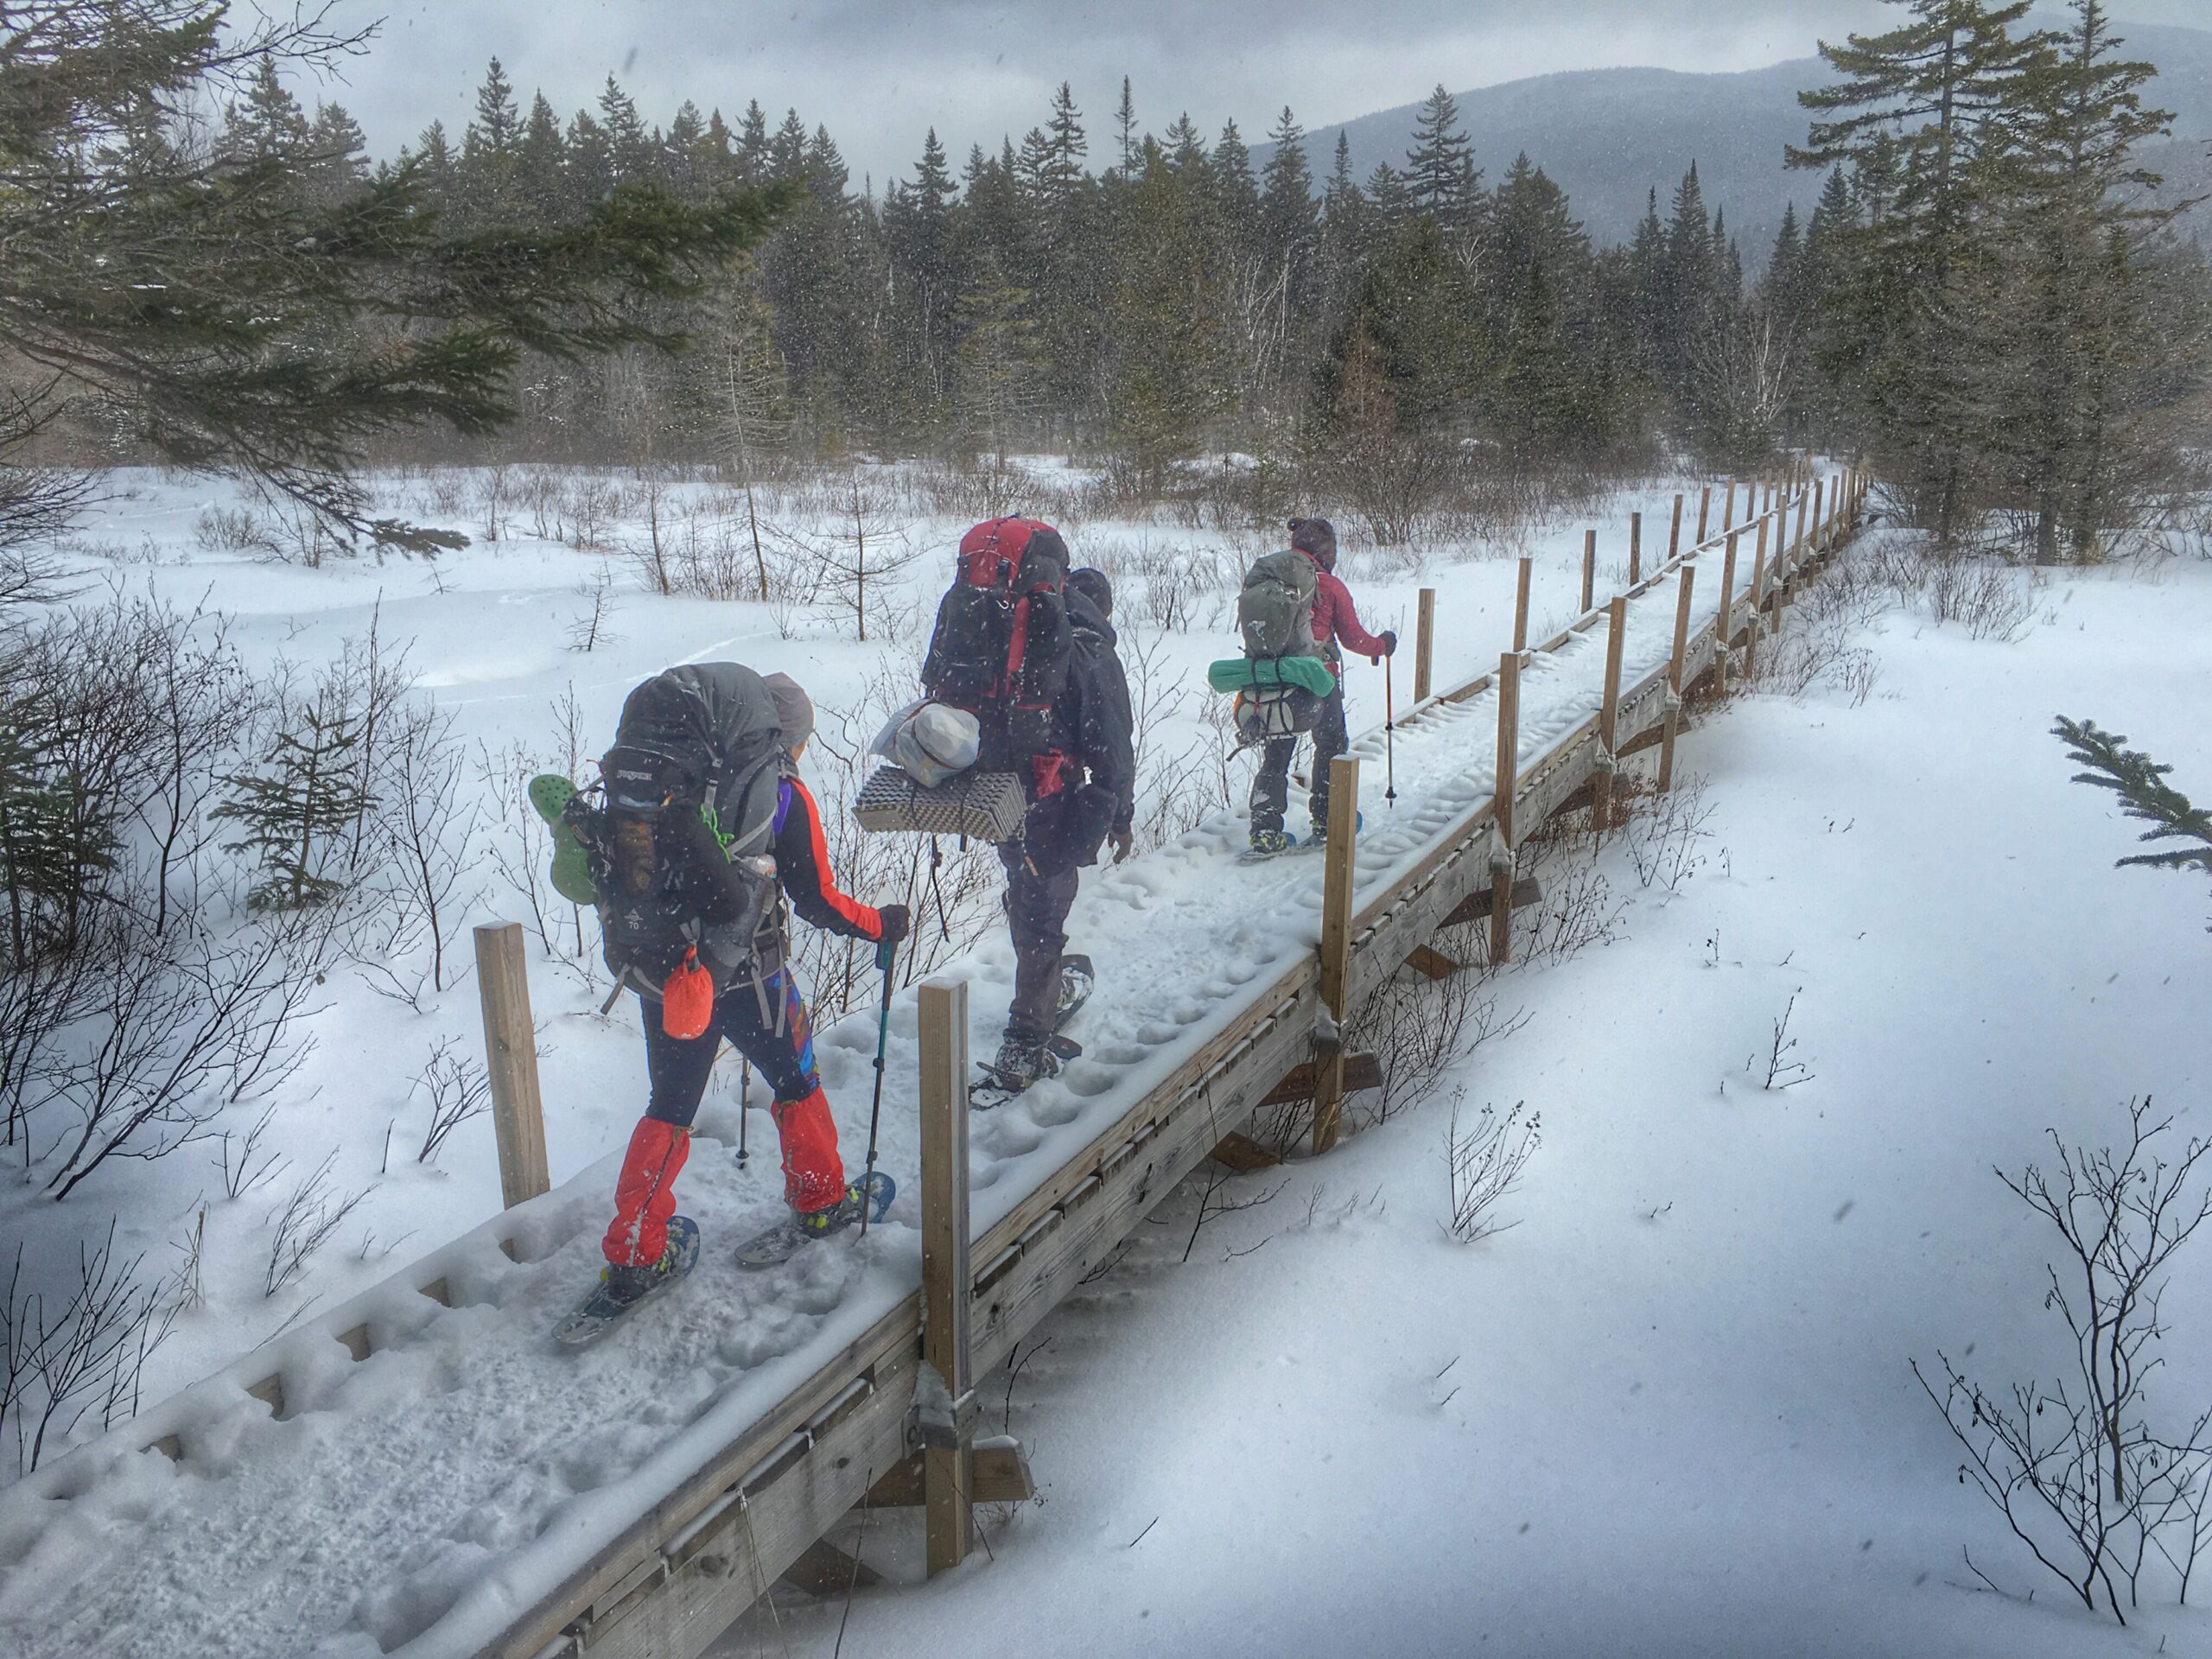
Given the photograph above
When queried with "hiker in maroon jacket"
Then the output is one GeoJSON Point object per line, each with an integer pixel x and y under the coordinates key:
{"type": "Point", "coordinates": [1336, 622]}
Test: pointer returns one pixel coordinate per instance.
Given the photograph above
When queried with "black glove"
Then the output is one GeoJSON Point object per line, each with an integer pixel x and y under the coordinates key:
{"type": "Point", "coordinates": [1389, 643]}
{"type": "Point", "coordinates": [894, 922]}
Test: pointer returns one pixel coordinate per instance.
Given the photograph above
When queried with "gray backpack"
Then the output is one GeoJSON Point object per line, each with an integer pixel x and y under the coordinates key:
{"type": "Point", "coordinates": [1274, 611]}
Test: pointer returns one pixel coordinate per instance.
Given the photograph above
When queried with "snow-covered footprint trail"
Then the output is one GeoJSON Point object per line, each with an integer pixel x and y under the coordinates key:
{"type": "Point", "coordinates": [419, 1498]}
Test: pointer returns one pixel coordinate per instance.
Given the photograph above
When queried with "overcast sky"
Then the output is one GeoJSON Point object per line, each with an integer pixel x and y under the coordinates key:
{"type": "Point", "coordinates": [879, 72]}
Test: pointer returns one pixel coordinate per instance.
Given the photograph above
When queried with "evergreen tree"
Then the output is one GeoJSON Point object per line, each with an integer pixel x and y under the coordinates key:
{"type": "Point", "coordinates": [295, 813]}
{"type": "Point", "coordinates": [1441, 179]}
{"type": "Point", "coordinates": [1125, 127]}
{"type": "Point", "coordinates": [541, 166]}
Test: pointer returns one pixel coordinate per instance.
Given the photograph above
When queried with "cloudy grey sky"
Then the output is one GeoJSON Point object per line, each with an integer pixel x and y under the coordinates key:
{"type": "Point", "coordinates": [880, 71]}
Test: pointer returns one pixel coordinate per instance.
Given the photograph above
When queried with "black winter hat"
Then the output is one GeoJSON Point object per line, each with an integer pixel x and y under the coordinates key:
{"type": "Point", "coordinates": [1095, 588]}
{"type": "Point", "coordinates": [1315, 535]}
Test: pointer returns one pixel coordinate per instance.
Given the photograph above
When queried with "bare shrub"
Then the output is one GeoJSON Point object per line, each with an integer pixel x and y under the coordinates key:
{"type": "Point", "coordinates": [304, 1223]}
{"type": "Point", "coordinates": [65, 1357]}
{"type": "Point", "coordinates": [419, 851]}
{"type": "Point", "coordinates": [1419, 1028]}
{"type": "Point", "coordinates": [2095, 1494]}
{"type": "Point", "coordinates": [457, 1088]}
{"type": "Point", "coordinates": [1578, 908]}
{"type": "Point", "coordinates": [1783, 1072]}
{"type": "Point", "coordinates": [245, 1166]}
{"type": "Point", "coordinates": [1667, 834]}
{"type": "Point", "coordinates": [593, 628]}
{"type": "Point", "coordinates": [1484, 1159]}
{"type": "Point", "coordinates": [235, 529]}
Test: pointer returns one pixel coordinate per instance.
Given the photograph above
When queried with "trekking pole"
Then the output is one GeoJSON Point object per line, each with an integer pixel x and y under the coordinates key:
{"type": "Point", "coordinates": [1389, 741]}
{"type": "Point", "coordinates": [744, 1108]}
{"type": "Point", "coordinates": [885, 955]}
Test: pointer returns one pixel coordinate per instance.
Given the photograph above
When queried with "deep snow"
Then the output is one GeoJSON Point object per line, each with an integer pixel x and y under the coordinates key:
{"type": "Point", "coordinates": [1692, 1432]}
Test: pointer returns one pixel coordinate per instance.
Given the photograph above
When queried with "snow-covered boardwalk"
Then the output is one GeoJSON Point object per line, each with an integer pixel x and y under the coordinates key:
{"type": "Point", "coordinates": [421, 1471]}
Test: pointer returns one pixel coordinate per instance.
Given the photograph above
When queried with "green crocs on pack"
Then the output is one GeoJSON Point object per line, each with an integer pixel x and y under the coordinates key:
{"type": "Point", "coordinates": [548, 793]}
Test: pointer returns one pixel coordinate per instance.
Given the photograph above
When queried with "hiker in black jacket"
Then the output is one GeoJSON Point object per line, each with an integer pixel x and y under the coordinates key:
{"type": "Point", "coordinates": [1084, 796]}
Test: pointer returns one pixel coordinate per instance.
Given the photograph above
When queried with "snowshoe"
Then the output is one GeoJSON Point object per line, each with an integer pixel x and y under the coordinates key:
{"type": "Point", "coordinates": [1319, 838]}
{"type": "Point", "coordinates": [551, 793]}
{"type": "Point", "coordinates": [1018, 1066]}
{"type": "Point", "coordinates": [1266, 845]}
{"type": "Point", "coordinates": [1076, 979]}
{"type": "Point", "coordinates": [783, 1241]}
{"type": "Point", "coordinates": [623, 1290]}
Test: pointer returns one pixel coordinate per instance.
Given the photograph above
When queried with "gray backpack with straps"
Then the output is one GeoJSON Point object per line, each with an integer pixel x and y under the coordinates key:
{"type": "Point", "coordinates": [1275, 611]}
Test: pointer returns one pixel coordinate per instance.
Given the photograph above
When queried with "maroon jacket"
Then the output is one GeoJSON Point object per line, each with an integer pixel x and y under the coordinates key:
{"type": "Point", "coordinates": [1335, 621]}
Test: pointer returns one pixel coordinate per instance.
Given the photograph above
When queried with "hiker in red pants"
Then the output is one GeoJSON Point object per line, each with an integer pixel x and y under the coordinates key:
{"type": "Point", "coordinates": [705, 833]}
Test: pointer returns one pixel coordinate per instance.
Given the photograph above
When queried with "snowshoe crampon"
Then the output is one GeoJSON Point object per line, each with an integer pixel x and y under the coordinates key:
{"type": "Point", "coordinates": [1018, 1067]}
{"type": "Point", "coordinates": [623, 1291]}
{"type": "Point", "coordinates": [788, 1237]}
{"type": "Point", "coordinates": [549, 794]}
{"type": "Point", "coordinates": [1266, 845]}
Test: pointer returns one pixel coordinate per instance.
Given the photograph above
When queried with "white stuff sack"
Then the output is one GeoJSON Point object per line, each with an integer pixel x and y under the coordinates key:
{"type": "Point", "coordinates": [928, 741]}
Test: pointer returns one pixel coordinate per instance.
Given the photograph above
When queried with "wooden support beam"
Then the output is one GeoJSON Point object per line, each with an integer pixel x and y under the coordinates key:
{"type": "Point", "coordinates": [1589, 570]}
{"type": "Point", "coordinates": [998, 1473]}
{"type": "Point", "coordinates": [1476, 907]}
{"type": "Point", "coordinates": [1728, 510]}
{"type": "Point", "coordinates": [1240, 1153]}
{"type": "Point", "coordinates": [1609, 716]}
{"type": "Point", "coordinates": [1635, 557]}
{"type": "Point", "coordinates": [1687, 582]}
{"type": "Point", "coordinates": [947, 1282]}
{"type": "Point", "coordinates": [824, 1571]}
{"type": "Point", "coordinates": [1704, 512]}
{"type": "Point", "coordinates": [1361, 1070]}
{"type": "Point", "coordinates": [1424, 643]}
{"type": "Point", "coordinates": [1507, 780]}
{"type": "Point", "coordinates": [1336, 944]}
{"type": "Point", "coordinates": [511, 1062]}
{"type": "Point", "coordinates": [1725, 638]}
{"type": "Point", "coordinates": [1674, 532]}
{"type": "Point", "coordinates": [1428, 960]}
{"type": "Point", "coordinates": [1520, 604]}
{"type": "Point", "coordinates": [1804, 512]}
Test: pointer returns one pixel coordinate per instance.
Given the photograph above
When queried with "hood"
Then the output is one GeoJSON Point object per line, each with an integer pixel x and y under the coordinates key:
{"type": "Point", "coordinates": [1086, 618]}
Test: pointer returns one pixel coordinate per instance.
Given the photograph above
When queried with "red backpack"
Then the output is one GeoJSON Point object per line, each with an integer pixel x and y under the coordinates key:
{"type": "Point", "coordinates": [1000, 646]}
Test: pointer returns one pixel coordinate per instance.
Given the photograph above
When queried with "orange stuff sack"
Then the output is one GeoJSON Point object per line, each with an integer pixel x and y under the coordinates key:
{"type": "Point", "coordinates": [687, 999]}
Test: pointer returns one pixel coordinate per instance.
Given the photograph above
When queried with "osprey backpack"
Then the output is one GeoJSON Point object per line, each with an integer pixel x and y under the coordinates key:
{"type": "Point", "coordinates": [700, 742]}
{"type": "Point", "coordinates": [1000, 646]}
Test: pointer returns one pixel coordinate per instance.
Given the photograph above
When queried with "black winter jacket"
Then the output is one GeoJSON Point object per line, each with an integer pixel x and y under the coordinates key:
{"type": "Point", "coordinates": [1091, 722]}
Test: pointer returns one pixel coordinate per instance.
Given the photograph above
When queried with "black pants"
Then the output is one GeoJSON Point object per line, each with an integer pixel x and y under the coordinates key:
{"type": "Point", "coordinates": [1271, 788]}
{"type": "Point", "coordinates": [680, 1066]}
{"type": "Point", "coordinates": [1036, 914]}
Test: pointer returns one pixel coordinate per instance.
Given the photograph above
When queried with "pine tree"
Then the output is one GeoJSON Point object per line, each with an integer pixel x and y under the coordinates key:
{"type": "Point", "coordinates": [294, 811]}
{"type": "Point", "coordinates": [1125, 127]}
{"type": "Point", "coordinates": [1441, 179]}
{"type": "Point", "coordinates": [541, 166]}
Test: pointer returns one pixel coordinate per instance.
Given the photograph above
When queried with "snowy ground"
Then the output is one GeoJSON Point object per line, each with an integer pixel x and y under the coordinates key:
{"type": "Point", "coordinates": [233, 1549]}
{"type": "Point", "coordinates": [1669, 1413]}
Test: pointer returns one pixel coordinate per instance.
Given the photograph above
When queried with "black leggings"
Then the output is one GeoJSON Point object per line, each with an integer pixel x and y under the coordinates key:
{"type": "Point", "coordinates": [680, 1066]}
{"type": "Point", "coordinates": [1271, 788]}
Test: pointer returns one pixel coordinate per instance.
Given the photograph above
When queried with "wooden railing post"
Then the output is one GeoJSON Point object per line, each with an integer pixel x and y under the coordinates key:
{"type": "Point", "coordinates": [1728, 508]}
{"type": "Point", "coordinates": [1508, 762]}
{"type": "Point", "coordinates": [1336, 946]}
{"type": "Point", "coordinates": [1609, 718]}
{"type": "Point", "coordinates": [1823, 532]}
{"type": "Point", "coordinates": [1758, 605]}
{"type": "Point", "coordinates": [1520, 604]}
{"type": "Point", "coordinates": [1424, 643]}
{"type": "Point", "coordinates": [1674, 532]}
{"type": "Point", "coordinates": [1635, 554]}
{"type": "Point", "coordinates": [1674, 679]}
{"type": "Point", "coordinates": [510, 1061]}
{"type": "Point", "coordinates": [946, 1278]}
{"type": "Point", "coordinates": [1589, 570]}
{"type": "Point", "coordinates": [1727, 623]}
{"type": "Point", "coordinates": [1704, 512]}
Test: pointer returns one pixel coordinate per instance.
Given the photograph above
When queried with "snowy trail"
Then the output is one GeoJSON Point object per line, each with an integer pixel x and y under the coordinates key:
{"type": "Point", "coordinates": [418, 1498]}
